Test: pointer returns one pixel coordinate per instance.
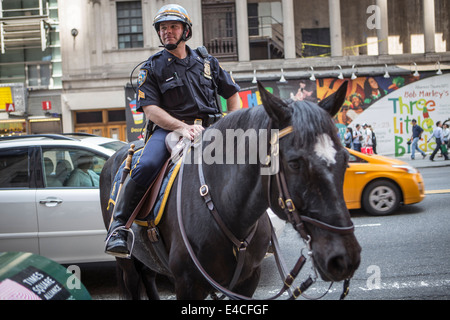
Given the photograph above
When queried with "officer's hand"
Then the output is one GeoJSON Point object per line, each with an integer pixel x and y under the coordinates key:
{"type": "Point", "coordinates": [191, 131]}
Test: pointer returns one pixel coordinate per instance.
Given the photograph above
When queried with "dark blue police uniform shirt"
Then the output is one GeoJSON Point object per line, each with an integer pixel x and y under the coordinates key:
{"type": "Point", "coordinates": [182, 87]}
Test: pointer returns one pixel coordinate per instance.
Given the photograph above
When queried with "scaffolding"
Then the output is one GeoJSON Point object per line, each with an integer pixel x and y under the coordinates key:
{"type": "Point", "coordinates": [24, 28]}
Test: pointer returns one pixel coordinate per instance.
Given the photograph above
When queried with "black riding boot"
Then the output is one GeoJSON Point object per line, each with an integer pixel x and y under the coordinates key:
{"type": "Point", "coordinates": [129, 197]}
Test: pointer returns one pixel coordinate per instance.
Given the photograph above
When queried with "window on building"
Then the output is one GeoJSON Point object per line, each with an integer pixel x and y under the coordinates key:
{"type": "Point", "coordinates": [316, 36]}
{"type": "Point", "coordinates": [38, 75]}
{"type": "Point", "coordinates": [219, 29]}
{"type": "Point", "coordinates": [253, 19]}
{"type": "Point", "coordinates": [129, 24]}
{"type": "Point", "coordinates": [116, 115]}
{"type": "Point", "coordinates": [30, 52]}
{"type": "Point", "coordinates": [83, 117]}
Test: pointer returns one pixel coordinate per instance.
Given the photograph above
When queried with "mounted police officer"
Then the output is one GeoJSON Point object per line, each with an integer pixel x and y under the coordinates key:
{"type": "Point", "coordinates": [176, 86]}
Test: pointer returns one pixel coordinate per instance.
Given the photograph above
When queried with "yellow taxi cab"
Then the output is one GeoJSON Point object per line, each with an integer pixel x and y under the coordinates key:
{"type": "Point", "coordinates": [380, 184]}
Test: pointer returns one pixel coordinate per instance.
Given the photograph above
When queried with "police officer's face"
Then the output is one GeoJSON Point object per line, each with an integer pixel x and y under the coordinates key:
{"type": "Point", "coordinates": [170, 31]}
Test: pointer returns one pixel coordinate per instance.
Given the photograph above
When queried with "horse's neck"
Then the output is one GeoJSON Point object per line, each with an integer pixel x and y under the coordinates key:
{"type": "Point", "coordinates": [237, 194]}
{"type": "Point", "coordinates": [237, 188]}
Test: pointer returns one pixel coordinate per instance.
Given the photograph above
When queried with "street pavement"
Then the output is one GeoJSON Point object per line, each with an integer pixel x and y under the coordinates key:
{"type": "Point", "coordinates": [419, 162]}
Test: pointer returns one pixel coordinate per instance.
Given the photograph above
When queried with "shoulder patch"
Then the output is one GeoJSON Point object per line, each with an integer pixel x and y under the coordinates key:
{"type": "Point", "coordinates": [142, 77]}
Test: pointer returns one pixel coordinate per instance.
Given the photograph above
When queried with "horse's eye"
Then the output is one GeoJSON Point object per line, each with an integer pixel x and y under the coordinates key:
{"type": "Point", "coordinates": [294, 165]}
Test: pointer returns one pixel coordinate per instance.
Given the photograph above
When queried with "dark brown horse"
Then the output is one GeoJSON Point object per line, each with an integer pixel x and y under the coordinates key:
{"type": "Point", "coordinates": [312, 162]}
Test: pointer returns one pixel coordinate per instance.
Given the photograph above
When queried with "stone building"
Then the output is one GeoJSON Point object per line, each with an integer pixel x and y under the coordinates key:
{"type": "Point", "coordinates": [72, 60]}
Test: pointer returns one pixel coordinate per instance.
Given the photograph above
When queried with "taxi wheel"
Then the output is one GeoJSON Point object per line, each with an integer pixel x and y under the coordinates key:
{"type": "Point", "coordinates": [381, 197]}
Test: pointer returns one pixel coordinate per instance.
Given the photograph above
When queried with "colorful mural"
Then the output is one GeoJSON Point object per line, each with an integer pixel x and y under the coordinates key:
{"type": "Point", "coordinates": [427, 100]}
{"type": "Point", "coordinates": [135, 120]}
{"type": "Point", "coordinates": [387, 104]}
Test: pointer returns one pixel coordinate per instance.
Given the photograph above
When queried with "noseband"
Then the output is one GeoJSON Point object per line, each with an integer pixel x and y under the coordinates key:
{"type": "Point", "coordinates": [285, 201]}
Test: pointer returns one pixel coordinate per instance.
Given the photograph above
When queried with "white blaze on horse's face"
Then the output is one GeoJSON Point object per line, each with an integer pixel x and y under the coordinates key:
{"type": "Point", "coordinates": [324, 149]}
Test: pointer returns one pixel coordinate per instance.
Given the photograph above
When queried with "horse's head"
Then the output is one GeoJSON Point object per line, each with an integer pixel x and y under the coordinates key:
{"type": "Point", "coordinates": [313, 163]}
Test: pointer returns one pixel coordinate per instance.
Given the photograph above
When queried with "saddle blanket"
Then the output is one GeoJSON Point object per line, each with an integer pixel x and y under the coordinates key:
{"type": "Point", "coordinates": [156, 213]}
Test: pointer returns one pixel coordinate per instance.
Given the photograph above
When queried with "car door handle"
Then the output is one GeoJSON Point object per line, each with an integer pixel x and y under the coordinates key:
{"type": "Point", "coordinates": [50, 202]}
{"type": "Point", "coordinates": [360, 172]}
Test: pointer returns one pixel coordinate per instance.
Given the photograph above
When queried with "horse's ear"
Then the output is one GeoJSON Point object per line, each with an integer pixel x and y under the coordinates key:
{"type": "Point", "coordinates": [333, 103]}
{"type": "Point", "coordinates": [276, 108]}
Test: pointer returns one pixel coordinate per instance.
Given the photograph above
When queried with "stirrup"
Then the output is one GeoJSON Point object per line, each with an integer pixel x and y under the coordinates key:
{"type": "Point", "coordinates": [120, 255]}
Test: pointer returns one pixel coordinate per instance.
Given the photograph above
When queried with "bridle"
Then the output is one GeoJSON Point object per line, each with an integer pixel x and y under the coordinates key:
{"type": "Point", "coordinates": [284, 201]}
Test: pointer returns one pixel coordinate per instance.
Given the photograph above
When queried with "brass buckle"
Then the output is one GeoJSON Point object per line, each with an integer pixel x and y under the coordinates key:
{"type": "Point", "coordinates": [289, 280]}
{"type": "Point", "coordinates": [290, 205]}
{"type": "Point", "coordinates": [204, 190]}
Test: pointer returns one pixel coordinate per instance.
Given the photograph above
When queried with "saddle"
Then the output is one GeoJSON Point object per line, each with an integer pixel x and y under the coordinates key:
{"type": "Point", "coordinates": [150, 209]}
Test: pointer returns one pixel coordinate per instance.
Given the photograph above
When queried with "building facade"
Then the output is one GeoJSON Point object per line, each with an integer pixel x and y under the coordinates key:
{"type": "Point", "coordinates": [30, 67]}
{"type": "Point", "coordinates": [89, 48]}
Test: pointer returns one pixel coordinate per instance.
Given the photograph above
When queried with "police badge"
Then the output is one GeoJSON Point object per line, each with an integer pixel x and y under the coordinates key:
{"type": "Point", "coordinates": [141, 77]}
{"type": "Point", "coordinates": [207, 69]}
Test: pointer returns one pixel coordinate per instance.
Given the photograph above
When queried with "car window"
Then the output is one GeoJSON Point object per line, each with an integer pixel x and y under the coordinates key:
{"type": "Point", "coordinates": [114, 145]}
{"type": "Point", "coordinates": [71, 168]}
{"type": "Point", "coordinates": [14, 168]}
{"type": "Point", "coordinates": [355, 159]}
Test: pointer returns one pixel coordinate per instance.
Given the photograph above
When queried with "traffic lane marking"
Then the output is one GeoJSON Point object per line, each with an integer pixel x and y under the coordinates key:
{"type": "Point", "coordinates": [368, 225]}
{"type": "Point", "coordinates": [437, 191]}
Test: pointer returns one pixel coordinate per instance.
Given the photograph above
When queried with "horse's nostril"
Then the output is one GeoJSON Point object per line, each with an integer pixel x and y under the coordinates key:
{"type": "Point", "coordinates": [338, 265]}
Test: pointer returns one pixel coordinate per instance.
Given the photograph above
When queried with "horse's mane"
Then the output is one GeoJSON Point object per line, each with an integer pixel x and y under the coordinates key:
{"type": "Point", "coordinates": [252, 118]}
{"type": "Point", "coordinates": [308, 119]}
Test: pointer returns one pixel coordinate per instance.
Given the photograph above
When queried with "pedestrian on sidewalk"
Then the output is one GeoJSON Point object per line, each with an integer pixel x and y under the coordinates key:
{"type": "Point", "coordinates": [374, 140]}
{"type": "Point", "coordinates": [437, 134]}
{"type": "Point", "coordinates": [416, 136]}
{"type": "Point", "coordinates": [367, 139]}
{"type": "Point", "coordinates": [357, 138]}
{"type": "Point", "coordinates": [348, 137]}
{"type": "Point", "coordinates": [446, 134]}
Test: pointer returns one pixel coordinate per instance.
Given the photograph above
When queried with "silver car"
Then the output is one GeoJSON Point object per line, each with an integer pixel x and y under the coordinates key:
{"type": "Point", "coordinates": [49, 196]}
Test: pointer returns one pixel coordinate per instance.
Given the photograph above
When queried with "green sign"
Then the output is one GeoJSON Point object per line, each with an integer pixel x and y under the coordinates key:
{"type": "Point", "coordinates": [27, 276]}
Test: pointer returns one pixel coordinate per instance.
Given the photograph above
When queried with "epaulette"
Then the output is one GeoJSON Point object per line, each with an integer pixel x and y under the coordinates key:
{"type": "Point", "coordinates": [151, 61]}
{"type": "Point", "coordinates": [203, 52]}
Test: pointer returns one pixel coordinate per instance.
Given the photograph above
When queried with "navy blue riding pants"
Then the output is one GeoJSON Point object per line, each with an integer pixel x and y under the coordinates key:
{"type": "Point", "coordinates": [152, 159]}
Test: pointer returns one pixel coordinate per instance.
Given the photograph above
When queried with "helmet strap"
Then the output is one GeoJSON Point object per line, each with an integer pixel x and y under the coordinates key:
{"type": "Point", "coordinates": [172, 46]}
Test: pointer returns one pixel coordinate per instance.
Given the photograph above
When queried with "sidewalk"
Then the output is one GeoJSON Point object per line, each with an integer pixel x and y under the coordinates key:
{"type": "Point", "coordinates": [419, 162]}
